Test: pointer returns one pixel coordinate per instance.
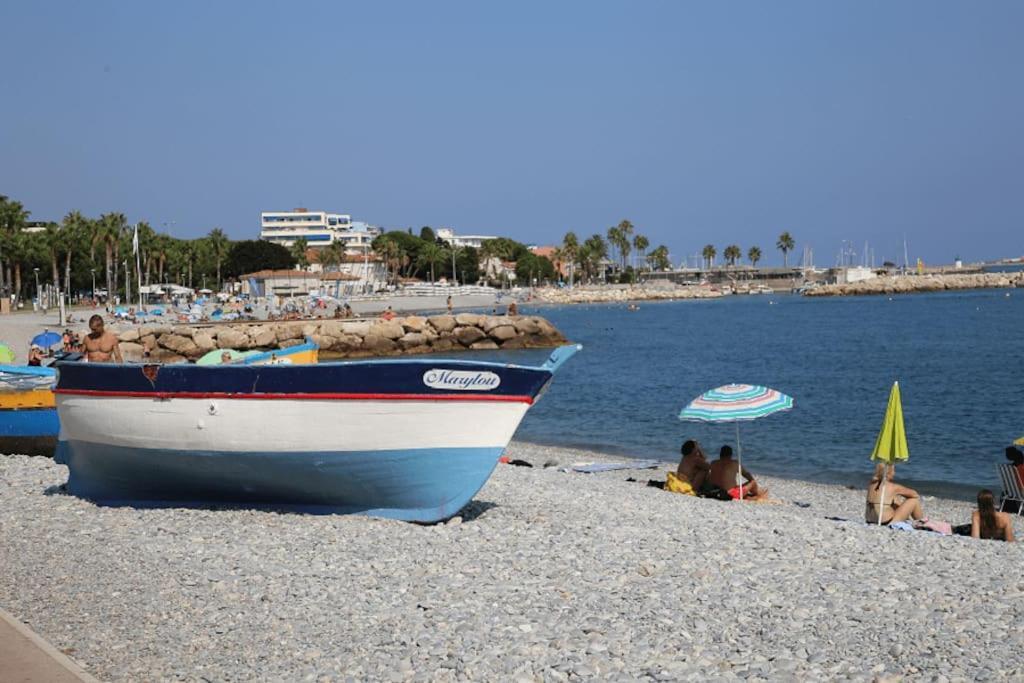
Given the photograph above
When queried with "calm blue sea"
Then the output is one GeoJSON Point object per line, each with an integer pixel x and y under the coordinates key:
{"type": "Point", "coordinates": [959, 358]}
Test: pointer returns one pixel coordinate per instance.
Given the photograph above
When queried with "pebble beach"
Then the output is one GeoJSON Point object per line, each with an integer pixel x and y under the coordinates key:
{"type": "Point", "coordinates": [546, 576]}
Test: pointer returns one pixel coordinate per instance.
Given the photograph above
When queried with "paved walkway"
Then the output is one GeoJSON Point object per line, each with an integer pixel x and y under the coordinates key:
{"type": "Point", "coordinates": [27, 658]}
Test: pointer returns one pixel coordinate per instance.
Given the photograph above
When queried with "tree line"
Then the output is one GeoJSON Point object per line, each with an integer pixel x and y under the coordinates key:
{"type": "Point", "coordinates": [588, 259]}
{"type": "Point", "coordinates": [733, 253]}
{"type": "Point", "coordinates": [79, 251]}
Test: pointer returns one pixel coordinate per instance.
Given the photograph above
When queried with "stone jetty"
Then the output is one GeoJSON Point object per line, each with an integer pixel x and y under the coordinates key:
{"type": "Point", "coordinates": [167, 343]}
{"type": "Point", "coordinates": [905, 284]}
{"type": "Point", "coordinates": [621, 294]}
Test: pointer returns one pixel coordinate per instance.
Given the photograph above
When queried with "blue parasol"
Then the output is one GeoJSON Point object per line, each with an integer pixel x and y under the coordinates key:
{"type": "Point", "coordinates": [46, 339]}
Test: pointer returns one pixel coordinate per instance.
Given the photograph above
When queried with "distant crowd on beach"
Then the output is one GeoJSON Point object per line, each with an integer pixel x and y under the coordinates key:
{"type": "Point", "coordinates": [887, 503]}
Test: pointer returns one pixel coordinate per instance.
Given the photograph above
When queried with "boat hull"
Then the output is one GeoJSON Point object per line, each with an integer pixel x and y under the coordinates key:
{"type": "Point", "coordinates": [412, 440]}
{"type": "Point", "coordinates": [28, 431]}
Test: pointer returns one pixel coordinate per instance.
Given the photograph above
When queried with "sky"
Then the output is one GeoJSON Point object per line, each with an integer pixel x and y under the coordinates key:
{"type": "Point", "coordinates": [722, 122]}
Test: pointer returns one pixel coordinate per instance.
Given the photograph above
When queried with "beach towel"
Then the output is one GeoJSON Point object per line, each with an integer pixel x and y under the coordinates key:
{"type": "Point", "coordinates": [593, 467]}
{"type": "Point", "coordinates": [677, 484]}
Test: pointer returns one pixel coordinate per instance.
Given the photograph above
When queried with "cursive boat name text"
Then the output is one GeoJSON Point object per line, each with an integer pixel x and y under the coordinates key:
{"type": "Point", "coordinates": [461, 380]}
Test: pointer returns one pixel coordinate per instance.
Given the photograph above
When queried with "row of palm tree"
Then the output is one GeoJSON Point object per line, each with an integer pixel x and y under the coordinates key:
{"type": "Point", "coordinates": [72, 251]}
{"type": "Point", "coordinates": [620, 241]}
{"type": "Point", "coordinates": [733, 253]}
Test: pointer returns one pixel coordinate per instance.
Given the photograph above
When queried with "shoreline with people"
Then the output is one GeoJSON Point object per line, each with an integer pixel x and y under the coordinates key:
{"type": "Point", "coordinates": [596, 576]}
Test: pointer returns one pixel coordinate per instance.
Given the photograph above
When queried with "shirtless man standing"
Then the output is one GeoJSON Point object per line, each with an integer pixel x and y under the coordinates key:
{"type": "Point", "coordinates": [723, 474]}
{"type": "Point", "coordinates": [101, 345]}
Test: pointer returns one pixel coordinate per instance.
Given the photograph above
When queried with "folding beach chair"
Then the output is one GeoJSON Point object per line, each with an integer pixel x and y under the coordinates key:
{"type": "Point", "coordinates": [1012, 489]}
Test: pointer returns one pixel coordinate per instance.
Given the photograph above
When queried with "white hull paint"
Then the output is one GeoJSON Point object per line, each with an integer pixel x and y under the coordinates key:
{"type": "Point", "coordinates": [287, 425]}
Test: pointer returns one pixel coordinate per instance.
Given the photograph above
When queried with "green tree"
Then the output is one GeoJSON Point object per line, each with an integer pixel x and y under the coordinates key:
{"type": "Point", "coordinates": [593, 252]}
{"type": "Point", "coordinates": [13, 217]}
{"type": "Point", "coordinates": [299, 249]}
{"type": "Point", "coordinates": [251, 256]}
{"type": "Point", "coordinates": [75, 229]}
{"type": "Point", "coordinates": [624, 245]}
{"type": "Point", "coordinates": [431, 254]}
{"type": "Point", "coordinates": [640, 243]}
{"type": "Point", "coordinates": [570, 250]}
{"type": "Point", "coordinates": [785, 244]}
{"type": "Point", "coordinates": [658, 258]}
{"type": "Point", "coordinates": [332, 255]}
{"type": "Point", "coordinates": [427, 234]}
{"type": "Point", "coordinates": [709, 252]}
{"type": "Point", "coordinates": [732, 254]}
{"type": "Point", "coordinates": [529, 266]}
{"type": "Point", "coordinates": [107, 231]}
{"type": "Point", "coordinates": [53, 242]}
{"type": "Point", "coordinates": [218, 244]}
{"type": "Point", "coordinates": [754, 255]}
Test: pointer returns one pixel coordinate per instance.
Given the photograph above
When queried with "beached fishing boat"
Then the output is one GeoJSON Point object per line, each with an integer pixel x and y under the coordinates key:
{"type": "Point", "coordinates": [411, 439]}
{"type": "Point", "coordinates": [28, 414]}
{"type": "Point", "coordinates": [29, 423]}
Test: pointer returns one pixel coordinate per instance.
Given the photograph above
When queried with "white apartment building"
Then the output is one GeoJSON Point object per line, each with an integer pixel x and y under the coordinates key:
{"type": "Point", "coordinates": [318, 228]}
{"type": "Point", "coordinates": [475, 241]}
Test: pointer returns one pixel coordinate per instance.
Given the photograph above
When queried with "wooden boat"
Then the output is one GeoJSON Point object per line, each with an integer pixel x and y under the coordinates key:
{"type": "Point", "coordinates": [411, 439]}
{"type": "Point", "coordinates": [29, 423]}
{"type": "Point", "coordinates": [28, 414]}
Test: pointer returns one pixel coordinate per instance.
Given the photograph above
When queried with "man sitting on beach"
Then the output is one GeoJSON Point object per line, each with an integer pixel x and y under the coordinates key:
{"type": "Point", "coordinates": [693, 466]}
{"type": "Point", "coordinates": [723, 474]}
{"type": "Point", "coordinates": [101, 345]}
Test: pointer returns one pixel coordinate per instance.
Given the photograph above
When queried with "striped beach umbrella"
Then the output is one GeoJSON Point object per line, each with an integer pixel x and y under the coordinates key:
{"type": "Point", "coordinates": [736, 403]}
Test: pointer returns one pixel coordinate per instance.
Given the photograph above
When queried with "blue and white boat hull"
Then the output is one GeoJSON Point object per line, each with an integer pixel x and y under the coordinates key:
{"type": "Point", "coordinates": [410, 439]}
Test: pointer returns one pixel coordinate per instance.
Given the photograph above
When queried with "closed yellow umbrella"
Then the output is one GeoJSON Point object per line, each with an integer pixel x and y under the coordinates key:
{"type": "Point", "coordinates": [1019, 442]}
{"type": "Point", "coordinates": [891, 444]}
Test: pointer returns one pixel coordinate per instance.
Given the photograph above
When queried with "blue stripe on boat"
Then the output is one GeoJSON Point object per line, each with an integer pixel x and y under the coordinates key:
{"type": "Point", "coordinates": [423, 484]}
{"type": "Point", "coordinates": [29, 422]}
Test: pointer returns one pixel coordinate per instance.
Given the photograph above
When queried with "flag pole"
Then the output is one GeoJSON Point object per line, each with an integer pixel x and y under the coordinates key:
{"type": "Point", "coordinates": [138, 262]}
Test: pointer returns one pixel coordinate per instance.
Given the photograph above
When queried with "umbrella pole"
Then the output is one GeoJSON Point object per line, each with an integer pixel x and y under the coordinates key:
{"type": "Point", "coordinates": [881, 500]}
{"type": "Point", "coordinates": [739, 461]}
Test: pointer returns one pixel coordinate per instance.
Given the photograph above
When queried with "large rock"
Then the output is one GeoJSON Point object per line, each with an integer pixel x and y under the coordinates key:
{"type": "Point", "coordinates": [484, 345]}
{"type": "Point", "coordinates": [526, 325]}
{"type": "Point", "coordinates": [324, 341]}
{"type": "Point", "coordinates": [347, 343]}
{"type": "Point", "coordinates": [389, 329]}
{"type": "Point", "coordinates": [131, 335]}
{"type": "Point", "coordinates": [489, 322]}
{"type": "Point", "coordinates": [331, 328]}
{"type": "Point", "coordinates": [412, 340]}
{"type": "Point", "coordinates": [376, 344]}
{"type": "Point", "coordinates": [361, 328]}
{"type": "Point", "coordinates": [232, 339]}
{"type": "Point", "coordinates": [204, 341]}
{"type": "Point", "coordinates": [502, 333]}
{"type": "Point", "coordinates": [413, 323]}
{"type": "Point", "coordinates": [183, 346]}
{"type": "Point", "coordinates": [468, 319]}
{"type": "Point", "coordinates": [263, 336]}
{"type": "Point", "coordinates": [442, 323]}
{"type": "Point", "coordinates": [148, 342]}
{"type": "Point", "coordinates": [469, 335]}
{"type": "Point", "coordinates": [154, 329]}
{"type": "Point", "coordinates": [160, 355]}
{"type": "Point", "coordinates": [132, 352]}
{"type": "Point", "coordinates": [288, 332]}
{"type": "Point", "coordinates": [445, 343]}
{"type": "Point", "coordinates": [182, 331]}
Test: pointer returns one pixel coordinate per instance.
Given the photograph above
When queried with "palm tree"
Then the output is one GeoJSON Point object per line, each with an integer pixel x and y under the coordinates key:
{"type": "Point", "coordinates": [754, 255]}
{"type": "Point", "coordinates": [332, 255]}
{"type": "Point", "coordinates": [732, 254]}
{"type": "Point", "coordinates": [299, 249]}
{"type": "Point", "coordinates": [53, 242]}
{"type": "Point", "coordinates": [658, 258]}
{"type": "Point", "coordinates": [709, 253]}
{"type": "Point", "coordinates": [74, 228]}
{"type": "Point", "coordinates": [785, 245]}
{"type": "Point", "coordinates": [625, 233]}
{"type": "Point", "coordinates": [432, 254]}
{"type": "Point", "coordinates": [570, 250]}
{"type": "Point", "coordinates": [12, 219]}
{"type": "Point", "coordinates": [219, 245]}
{"type": "Point", "coordinates": [640, 243]}
{"type": "Point", "coordinates": [596, 250]}
{"type": "Point", "coordinates": [107, 231]}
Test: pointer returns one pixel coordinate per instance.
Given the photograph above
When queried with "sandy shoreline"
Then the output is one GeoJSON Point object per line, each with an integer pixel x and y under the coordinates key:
{"type": "Point", "coordinates": [548, 576]}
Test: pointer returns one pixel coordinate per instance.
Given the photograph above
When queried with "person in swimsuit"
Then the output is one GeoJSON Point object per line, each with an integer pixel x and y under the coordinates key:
{"type": "Point", "coordinates": [693, 466]}
{"type": "Point", "coordinates": [36, 355]}
{"type": "Point", "coordinates": [900, 503]}
{"type": "Point", "coordinates": [988, 523]}
{"type": "Point", "coordinates": [100, 345]}
{"type": "Point", "coordinates": [724, 474]}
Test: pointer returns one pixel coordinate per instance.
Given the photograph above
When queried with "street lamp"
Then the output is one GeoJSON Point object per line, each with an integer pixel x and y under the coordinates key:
{"type": "Point", "coordinates": [93, 271]}
{"type": "Point", "coordinates": [39, 301]}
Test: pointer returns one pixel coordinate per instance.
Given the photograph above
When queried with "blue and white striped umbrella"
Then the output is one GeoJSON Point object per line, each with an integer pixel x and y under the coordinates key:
{"type": "Point", "coordinates": [736, 402]}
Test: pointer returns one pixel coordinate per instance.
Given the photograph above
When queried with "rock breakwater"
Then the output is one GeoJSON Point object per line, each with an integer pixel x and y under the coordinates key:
{"type": "Point", "coordinates": [612, 294]}
{"type": "Point", "coordinates": [905, 284]}
{"type": "Point", "coordinates": [343, 338]}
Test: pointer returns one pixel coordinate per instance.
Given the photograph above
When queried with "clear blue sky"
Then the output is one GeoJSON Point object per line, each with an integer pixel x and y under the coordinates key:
{"type": "Point", "coordinates": [711, 122]}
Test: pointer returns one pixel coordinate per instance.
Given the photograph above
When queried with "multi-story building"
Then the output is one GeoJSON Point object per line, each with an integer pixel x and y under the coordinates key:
{"type": "Point", "coordinates": [318, 228]}
{"type": "Point", "coordinates": [475, 241]}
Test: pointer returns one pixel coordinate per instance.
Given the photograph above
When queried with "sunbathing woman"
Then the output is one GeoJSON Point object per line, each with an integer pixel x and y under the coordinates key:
{"type": "Point", "coordinates": [900, 503]}
{"type": "Point", "coordinates": [986, 522]}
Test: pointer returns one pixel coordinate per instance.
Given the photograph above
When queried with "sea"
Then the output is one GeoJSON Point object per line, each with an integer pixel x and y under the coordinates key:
{"type": "Point", "coordinates": [958, 357]}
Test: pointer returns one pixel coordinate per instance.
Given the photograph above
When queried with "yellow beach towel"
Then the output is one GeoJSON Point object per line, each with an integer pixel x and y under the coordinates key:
{"type": "Point", "coordinates": [677, 484]}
